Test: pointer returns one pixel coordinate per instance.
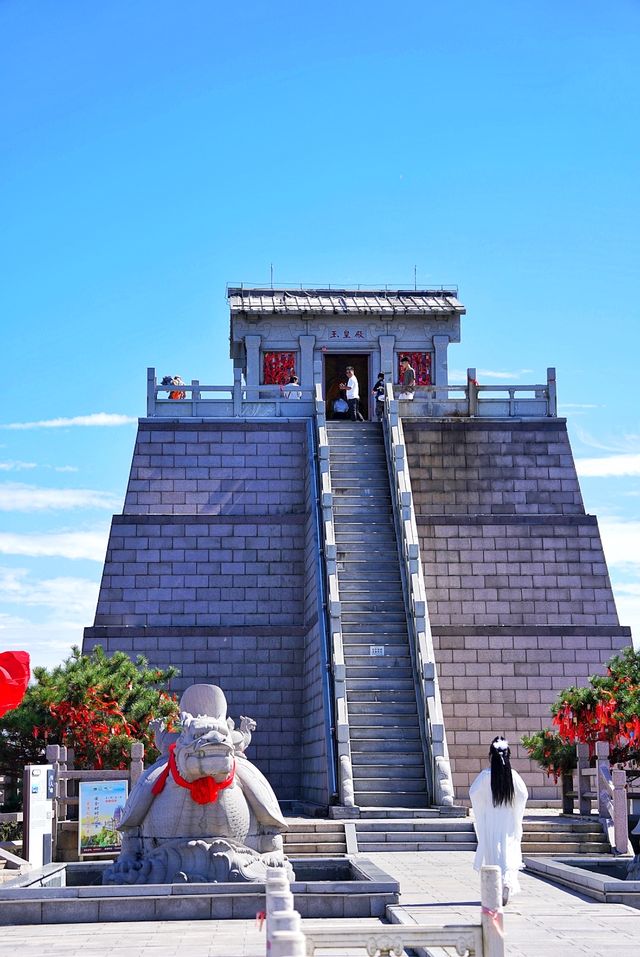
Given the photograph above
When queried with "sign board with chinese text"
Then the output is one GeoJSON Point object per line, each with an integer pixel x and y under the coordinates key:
{"type": "Point", "coordinates": [100, 808]}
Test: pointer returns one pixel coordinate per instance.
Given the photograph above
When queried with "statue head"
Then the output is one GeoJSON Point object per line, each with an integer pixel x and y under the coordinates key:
{"type": "Point", "coordinates": [205, 747]}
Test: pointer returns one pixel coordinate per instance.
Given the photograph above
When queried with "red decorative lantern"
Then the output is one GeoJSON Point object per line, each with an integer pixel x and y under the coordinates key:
{"type": "Point", "coordinates": [14, 678]}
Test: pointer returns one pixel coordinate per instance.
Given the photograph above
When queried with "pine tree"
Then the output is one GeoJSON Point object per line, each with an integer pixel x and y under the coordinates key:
{"type": "Point", "coordinates": [95, 704]}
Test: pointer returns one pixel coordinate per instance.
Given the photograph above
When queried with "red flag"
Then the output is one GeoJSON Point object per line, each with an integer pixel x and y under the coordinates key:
{"type": "Point", "coordinates": [14, 678]}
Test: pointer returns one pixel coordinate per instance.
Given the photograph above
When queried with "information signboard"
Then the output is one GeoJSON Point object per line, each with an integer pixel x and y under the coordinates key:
{"type": "Point", "coordinates": [101, 805]}
{"type": "Point", "coordinates": [38, 795]}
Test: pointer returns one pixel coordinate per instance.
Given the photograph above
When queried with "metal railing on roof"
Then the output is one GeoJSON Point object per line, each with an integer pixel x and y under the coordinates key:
{"type": "Point", "coordinates": [404, 289]}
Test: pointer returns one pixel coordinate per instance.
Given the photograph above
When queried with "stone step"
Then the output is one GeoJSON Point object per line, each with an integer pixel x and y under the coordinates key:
{"type": "Point", "coordinates": [420, 826]}
{"type": "Point", "coordinates": [325, 826]}
{"type": "Point", "coordinates": [398, 707]}
{"type": "Point", "coordinates": [363, 588]}
{"type": "Point", "coordinates": [562, 824]}
{"type": "Point", "coordinates": [379, 723]}
{"type": "Point", "coordinates": [402, 671]}
{"type": "Point", "coordinates": [379, 686]}
{"type": "Point", "coordinates": [371, 847]}
{"type": "Point", "coordinates": [321, 848]}
{"type": "Point", "coordinates": [413, 761]}
{"type": "Point", "coordinates": [376, 739]}
{"type": "Point", "coordinates": [389, 799]}
{"type": "Point", "coordinates": [565, 847]}
{"type": "Point", "coordinates": [361, 608]}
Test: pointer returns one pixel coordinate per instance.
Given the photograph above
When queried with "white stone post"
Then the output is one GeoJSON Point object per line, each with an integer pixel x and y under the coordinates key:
{"type": "Point", "coordinates": [440, 371]}
{"type": "Point", "coordinates": [237, 392]}
{"type": "Point", "coordinates": [287, 939]}
{"type": "Point", "coordinates": [137, 762]}
{"type": "Point", "coordinates": [472, 392]}
{"type": "Point", "coordinates": [602, 773]}
{"type": "Point", "coordinates": [492, 919]}
{"type": "Point", "coordinates": [252, 377]}
{"type": "Point", "coordinates": [278, 897]}
{"type": "Point", "coordinates": [584, 801]}
{"type": "Point", "coordinates": [305, 372]}
{"type": "Point", "coordinates": [151, 391]}
{"type": "Point", "coordinates": [620, 811]}
{"type": "Point", "coordinates": [387, 345]}
{"type": "Point", "coordinates": [552, 395]}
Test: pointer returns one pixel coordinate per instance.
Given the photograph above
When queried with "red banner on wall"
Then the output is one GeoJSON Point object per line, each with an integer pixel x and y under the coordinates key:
{"type": "Point", "coordinates": [277, 367]}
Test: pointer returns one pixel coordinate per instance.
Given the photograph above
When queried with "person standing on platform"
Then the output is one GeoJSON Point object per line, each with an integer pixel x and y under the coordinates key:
{"type": "Point", "coordinates": [498, 798]}
{"type": "Point", "coordinates": [292, 389]}
{"type": "Point", "coordinates": [407, 379]}
{"type": "Point", "coordinates": [378, 393]}
{"type": "Point", "coordinates": [353, 396]}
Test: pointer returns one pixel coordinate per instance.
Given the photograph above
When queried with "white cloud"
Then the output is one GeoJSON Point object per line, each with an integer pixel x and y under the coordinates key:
{"type": "Point", "coordinates": [17, 497]}
{"type": "Point", "coordinates": [621, 540]}
{"type": "Point", "coordinates": [95, 419]}
{"type": "Point", "coordinates": [512, 377]}
{"type": "Point", "coordinates": [89, 545]}
{"type": "Point", "coordinates": [51, 614]}
{"type": "Point", "coordinates": [69, 597]}
{"type": "Point", "coordinates": [619, 444]}
{"type": "Point", "coordinates": [609, 465]}
{"type": "Point", "coordinates": [16, 466]}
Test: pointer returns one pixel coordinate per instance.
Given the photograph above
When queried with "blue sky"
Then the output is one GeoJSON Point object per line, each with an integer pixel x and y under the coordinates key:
{"type": "Point", "coordinates": [152, 152]}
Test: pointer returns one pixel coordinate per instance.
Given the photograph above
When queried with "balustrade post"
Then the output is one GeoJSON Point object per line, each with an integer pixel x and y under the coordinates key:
{"type": "Point", "coordinates": [151, 391]}
{"type": "Point", "coordinates": [52, 754]}
{"type": "Point", "coordinates": [552, 395]}
{"type": "Point", "coordinates": [620, 811]}
{"type": "Point", "coordinates": [472, 392]}
{"type": "Point", "coordinates": [137, 762]}
{"type": "Point", "coordinates": [492, 919]}
{"type": "Point", "coordinates": [584, 801]}
{"type": "Point", "coordinates": [602, 774]}
{"type": "Point", "coordinates": [237, 393]}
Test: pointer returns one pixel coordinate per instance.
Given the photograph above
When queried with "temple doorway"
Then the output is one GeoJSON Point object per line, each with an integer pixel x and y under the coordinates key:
{"type": "Point", "coordinates": [335, 364]}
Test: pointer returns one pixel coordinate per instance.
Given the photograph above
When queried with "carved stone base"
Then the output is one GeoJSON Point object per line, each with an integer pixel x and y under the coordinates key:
{"type": "Point", "coordinates": [195, 862]}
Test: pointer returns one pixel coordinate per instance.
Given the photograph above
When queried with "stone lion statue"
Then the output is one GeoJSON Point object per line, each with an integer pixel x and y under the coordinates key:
{"type": "Point", "coordinates": [202, 812]}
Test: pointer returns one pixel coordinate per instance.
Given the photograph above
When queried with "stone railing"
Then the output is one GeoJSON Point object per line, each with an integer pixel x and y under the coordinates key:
{"type": "Point", "coordinates": [334, 611]}
{"type": "Point", "coordinates": [483, 401]}
{"type": "Point", "coordinates": [604, 789]}
{"type": "Point", "coordinates": [235, 401]}
{"type": "Point", "coordinates": [64, 775]}
{"type": "Point", "coordinates": [288, 936]}
{"type": "Point", "coordinates": [239, 401]}
{"type": "Point", "coordinates": [432, 720]}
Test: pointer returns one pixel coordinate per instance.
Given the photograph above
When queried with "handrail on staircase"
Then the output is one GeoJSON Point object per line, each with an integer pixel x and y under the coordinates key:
{"type": "Point", "coordinates": [325, 649]}
{"type": "Point", "coordinates": [422, 652]}
{"type": "Point", "coordinates": [333, 608]}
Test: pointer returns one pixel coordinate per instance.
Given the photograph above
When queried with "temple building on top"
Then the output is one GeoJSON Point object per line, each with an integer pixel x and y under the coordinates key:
{"type": "Point", "coordinates": [384, 596]}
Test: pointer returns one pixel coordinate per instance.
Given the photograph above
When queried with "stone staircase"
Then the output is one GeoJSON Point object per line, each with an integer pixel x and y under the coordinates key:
{"type": "Point", "coordinates": [386, 748]}
{"type": "Point", "coordinates": [563, 835]}
{"type": "Point", "coordinates": [433, 831]}
{"type": "Point", "coordinates": [417, 834]}
{"type": "Point", "coordinates": [308, 836]}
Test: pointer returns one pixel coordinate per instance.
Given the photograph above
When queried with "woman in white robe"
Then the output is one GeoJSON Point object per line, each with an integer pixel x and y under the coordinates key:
{"type": "Point", "coordinates": [498, 797]}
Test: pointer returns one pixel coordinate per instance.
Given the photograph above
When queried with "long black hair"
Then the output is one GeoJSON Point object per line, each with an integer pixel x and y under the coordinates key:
{"type": "Point", "coordinates": [501, 777]}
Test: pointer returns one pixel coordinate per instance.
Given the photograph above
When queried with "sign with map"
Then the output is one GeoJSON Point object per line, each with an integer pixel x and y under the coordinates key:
{"type": "Point", "coordinates": [101, 806]}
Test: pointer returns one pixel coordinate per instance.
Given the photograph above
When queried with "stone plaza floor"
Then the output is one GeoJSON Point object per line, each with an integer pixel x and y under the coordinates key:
{"type": "Point", "coordinates": [436, 887]}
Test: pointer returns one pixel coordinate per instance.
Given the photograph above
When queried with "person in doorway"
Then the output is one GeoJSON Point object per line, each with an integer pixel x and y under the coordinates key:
{"type": "Point", "coordinates": [498, 798]}
{"type": "Point", "coordinates": [353, 396]}
{"type": "Point", "coordinates": [378, 392]}
{"type": "Point", "coordinates": [407, 379]}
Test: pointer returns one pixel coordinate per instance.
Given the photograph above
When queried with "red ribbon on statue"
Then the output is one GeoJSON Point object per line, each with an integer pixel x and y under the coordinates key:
{"type": "Point", "coordinates": [14, 678]}
{"type": "Point", "coordinates": [203, 790]}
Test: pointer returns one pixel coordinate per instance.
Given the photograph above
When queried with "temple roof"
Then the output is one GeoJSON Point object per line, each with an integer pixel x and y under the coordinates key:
{"type": "Point", "coordinates": [416, 302]}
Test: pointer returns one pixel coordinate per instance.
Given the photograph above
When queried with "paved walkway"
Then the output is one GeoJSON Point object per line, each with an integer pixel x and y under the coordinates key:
{"type": "Point", "coordinates": [437, 887]}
